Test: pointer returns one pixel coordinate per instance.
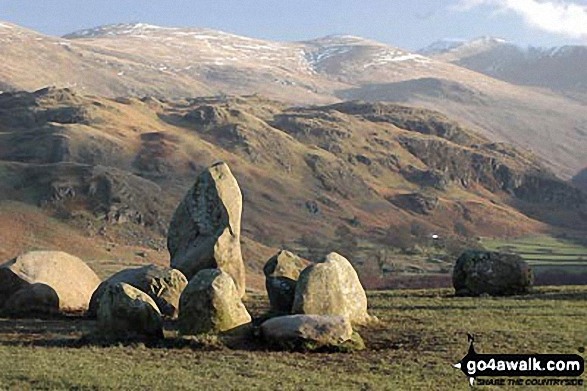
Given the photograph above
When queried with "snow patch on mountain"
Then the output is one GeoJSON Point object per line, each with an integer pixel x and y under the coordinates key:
{"type": "Point", "coordinates": [449, 45]}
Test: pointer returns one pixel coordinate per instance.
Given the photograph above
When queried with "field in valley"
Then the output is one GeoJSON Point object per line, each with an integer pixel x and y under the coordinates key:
{"type": "Point", "coordinates": [551, 258]}
{"type": "Point", "coordinates": [422, 333]}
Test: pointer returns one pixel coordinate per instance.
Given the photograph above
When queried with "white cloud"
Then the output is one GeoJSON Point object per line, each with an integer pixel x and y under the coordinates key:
{"type": "Point", "coordinates": [559, 17]}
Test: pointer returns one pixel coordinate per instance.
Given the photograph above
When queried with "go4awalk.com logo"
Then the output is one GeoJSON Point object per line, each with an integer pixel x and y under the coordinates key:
{"type": "Point", "coordinates": [521, 369]}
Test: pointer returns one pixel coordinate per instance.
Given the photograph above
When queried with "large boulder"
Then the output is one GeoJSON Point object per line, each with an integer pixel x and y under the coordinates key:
{"type": "Point", "coordinates": [126, 312]}
{"type": "Point", "coordinates": [211, 304]}
{"type": "Point", "coordinates": [493, 273]}
{"type": "Point", "coordinates": [205, 230]}
{"type": "Point", "coordinates": [307, 331]}
{"type": "Point", "coordinates": [163, 284]}
{"type": "Point", "coordinates": [331, 287]}
{"type": "Point", "coordinates": [33, 299]}
{"type": "Point", "coordinates": [281, 275]}
{"type": "Point", "coordinates": [37, 278]}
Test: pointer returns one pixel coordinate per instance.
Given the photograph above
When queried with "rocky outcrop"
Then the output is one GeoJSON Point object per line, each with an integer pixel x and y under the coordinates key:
{"type": "Point", "coordinates": [495, 171]}
{"type": "Point", "coordinates": [425, 178]}
{"type": "Point", "coordinates": [126, 312]}
{"type": "Point", "coordinates": [410, 118]}
{"type": "Point", "coordinates": [38, 277]}
{"type": "Point", "coordinates": [281, 275]}
{"type": "Point", "coordinates": [497, 274]}
{"type": "Point", "coordinates": [415, 202]}
{"type": "Point", "coordinates": [163, 284]}
{"type": "Point", "coordinates": [110, 194]}
{"type": "Point", "coordinates": [331, 287]}
{"type": "Point", "coordinates": [337, 177]}
{"type": "Point", "coordinates": [205, 230]}
{"type": "Point", "coordinates": [307, 331]}
{"type": "Point", "coordinates": [211, 304]}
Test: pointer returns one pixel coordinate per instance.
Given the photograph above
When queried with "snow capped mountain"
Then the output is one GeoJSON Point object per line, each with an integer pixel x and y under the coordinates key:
{"type": "Point", "coordinates": [141, 59]}
{"type": "Point", "coordinates": [117, 29]}
{"type": "Point", "coordinates": [462, 45]}
{"type": "Point", "coordinates": [442, 46]}
{"type": "Point", "coordinates": [557, 68]}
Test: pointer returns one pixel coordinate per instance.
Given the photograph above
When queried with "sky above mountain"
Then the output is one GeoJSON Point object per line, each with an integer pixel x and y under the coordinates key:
{"type": "Point", "coordinates": [412, 24]}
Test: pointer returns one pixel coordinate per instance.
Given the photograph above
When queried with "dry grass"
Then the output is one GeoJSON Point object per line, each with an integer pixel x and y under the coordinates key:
{"type": "Point", "coordinates": [422, 333]}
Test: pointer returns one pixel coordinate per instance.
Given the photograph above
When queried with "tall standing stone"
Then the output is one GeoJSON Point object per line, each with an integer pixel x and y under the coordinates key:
{"type": "Point", "coordinates": [205, 230]}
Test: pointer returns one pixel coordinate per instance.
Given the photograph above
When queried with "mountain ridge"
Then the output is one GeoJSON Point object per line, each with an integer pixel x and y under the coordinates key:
{"type": "Point", "coordinates": [311, 177]}
{"type": "Point", "coordinates": [180, 62]}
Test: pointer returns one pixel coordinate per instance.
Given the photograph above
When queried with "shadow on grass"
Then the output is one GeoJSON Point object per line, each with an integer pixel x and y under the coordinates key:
{"type": "Point", "coordinates": [76, 333]}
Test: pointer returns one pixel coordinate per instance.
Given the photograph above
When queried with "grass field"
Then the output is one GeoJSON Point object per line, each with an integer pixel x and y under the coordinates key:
{"type": "Point", "coordinates": [422, 332]}
{"type": "Point", "coordinates": [553, 259]}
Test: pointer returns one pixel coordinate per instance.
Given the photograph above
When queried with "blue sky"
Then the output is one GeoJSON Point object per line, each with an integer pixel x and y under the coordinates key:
{"type": "Point", "coordinates": [410, 24]}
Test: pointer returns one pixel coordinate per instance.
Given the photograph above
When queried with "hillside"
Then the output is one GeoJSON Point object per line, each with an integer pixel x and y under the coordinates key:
{"type": "Point", "coordinates": [555, 68]}
{"type": "Point", "coordinates": [312, 177]}
{"type": "Point", "coordinates": [172, 63]}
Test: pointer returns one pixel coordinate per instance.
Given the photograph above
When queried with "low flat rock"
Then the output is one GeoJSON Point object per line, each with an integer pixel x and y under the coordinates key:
{"type": "Point", "coordinates": [314, 331]}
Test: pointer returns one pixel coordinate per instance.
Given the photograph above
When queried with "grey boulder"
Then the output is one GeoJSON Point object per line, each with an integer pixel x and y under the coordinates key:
{"type": "Point", "coordinates": [126, 312]}
{"type": "Point", "coordinates": [163, 284]}
{"type": "Point", "coordinates": [63, 277]}
{"type": "Point", "coordinates": [307, 331]}
{"type": "Point", "coordinates": [211, 304]}
{"type": "Point", "coordinates": [281, 276]}
{"type": "Point", "coordinates": [493, 273]}
{"type": "Point", "coordinates": [331, 287]}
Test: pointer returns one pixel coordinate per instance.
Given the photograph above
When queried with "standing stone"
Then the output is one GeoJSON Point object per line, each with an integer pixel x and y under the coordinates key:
{"type": "Point", "coordinates": [281, 275]}
{"type": "Point", "coordinates": [62, 276]}
{"type": "Point", "coordinates": [307, 331]}
{"type": "Point", "coordinates": [331, 287]}
{"type": "Point", "coordinates": [126, 312]}
{"type": "Point", "coordinates": [205, 230]}
{"type": "Point", "coordinates": [163, 284]}
{"type": "Point", "coordinates": [211, 304]}
{"type": "Point", "coordinates": [497, 274]}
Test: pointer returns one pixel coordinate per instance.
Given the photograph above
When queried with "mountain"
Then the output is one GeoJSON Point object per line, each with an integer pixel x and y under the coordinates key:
{"type": "Point", "coordinates": [557, 68]}
{"type": "Point", "coordinates": [346, 176]}
{"type": "Point", "coordinates": [580, 180]}
{"type": "Point", "coordinates": [477, 45]}
{"type": "Point", "coordinates": [143, 60]}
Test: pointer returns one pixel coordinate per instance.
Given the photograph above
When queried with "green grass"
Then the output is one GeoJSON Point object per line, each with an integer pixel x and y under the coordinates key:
{"type": "Point", "coordinates": [542, 251]}
{"type": "Point", "coordinates": [422, 333]}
